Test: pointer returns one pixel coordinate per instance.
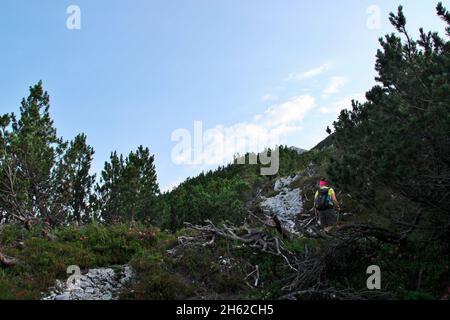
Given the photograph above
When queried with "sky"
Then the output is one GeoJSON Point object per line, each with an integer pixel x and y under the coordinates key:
{"type": "Point", "coordinates": [154, 73]}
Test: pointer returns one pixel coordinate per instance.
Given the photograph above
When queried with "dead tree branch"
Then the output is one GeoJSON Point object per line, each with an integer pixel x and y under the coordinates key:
{"type": "Point", "coordinates": [250, 237]}
{"type": "Point", "coordinates": [7, 261]}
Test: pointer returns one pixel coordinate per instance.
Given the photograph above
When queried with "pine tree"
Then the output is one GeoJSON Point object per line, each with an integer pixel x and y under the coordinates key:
{"type": "Point", "coordinates": [40, 177]}
{"type": "Point", "coordinates": [75, 182]}
{"type": "Point", "coordinates": [399, 140]}
{"type": "Point", "coordinates": [13, 193]}
{"type": "Point", "coordinates": [141, 184]}
{"type": "Point", "coordinates": [128, 189]}
{"type": "Point", "coordinates": [30, 151]}
{"type": "Point", "coordinates": [109, 189]}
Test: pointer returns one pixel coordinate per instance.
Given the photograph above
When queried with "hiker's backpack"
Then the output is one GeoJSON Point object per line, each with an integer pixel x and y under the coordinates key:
{"type": "Point", "coordinates": [323, 200]}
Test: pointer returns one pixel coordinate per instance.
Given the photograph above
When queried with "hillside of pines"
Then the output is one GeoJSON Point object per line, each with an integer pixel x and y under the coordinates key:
{"type": "Point", "coordinates": [215, 236]}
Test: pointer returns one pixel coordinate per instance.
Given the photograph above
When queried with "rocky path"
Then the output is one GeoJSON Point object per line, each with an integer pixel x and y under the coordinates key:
{"type": "Point", "coordinates": [286, 205]}
{"type": "Point", "coordinates": [97, 284]}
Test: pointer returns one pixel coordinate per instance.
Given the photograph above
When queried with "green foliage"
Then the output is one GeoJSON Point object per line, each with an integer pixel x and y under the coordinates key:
{"type": "Point", "coordinates": [44, 177]}
{"type": "Point", "coordinates": [300, 245]}
{"type": "Point", "coordinates": [39, 176]}
{"type": "Point", "coordinates": [189, 272]}
{"type": "Point", "coordinates": [221, 195]}
{"type": "Point", "coordinates": [28, 153]}
{"type": "Point", "coordinates": [291, 161]}
{"type": "Point", "coordinates": [42, 260]}
{"type": "Point", "coordinates": [156, 283]}
{"type": "Point", "coordinates": [74, 181]}
{"type": "Point", "coordinates": [415, 271]}
{"type": "Point", "coordinates": [218, 199]}
{"type": "Point", "coordinates": [398, 142]}
{"type": "Point", "coordinates": [390, 156]}
{"type": "Point", "coordinates": [128, 189]}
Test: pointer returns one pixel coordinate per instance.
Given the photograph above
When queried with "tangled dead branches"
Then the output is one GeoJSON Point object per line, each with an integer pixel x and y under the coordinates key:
{"type": "Point", "coordinates": [358, 231]}
{"type": "Point", "coordinates": [345, 247]}
{"type": "Point", "coordinates": [311, 270]}
{"type": "Point", "coordinates": [246, 236]}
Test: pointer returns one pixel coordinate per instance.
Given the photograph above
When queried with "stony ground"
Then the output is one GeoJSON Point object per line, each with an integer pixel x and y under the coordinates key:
{"type": "Point", "coordinates": [97, 284]}
{"type": "Point", "coordinates": [286, 205]}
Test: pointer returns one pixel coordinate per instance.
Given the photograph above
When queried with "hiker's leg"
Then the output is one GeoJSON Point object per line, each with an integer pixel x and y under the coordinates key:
{"type": "Point", "coordinates": [330, 217]}
{"type": "Point", "coordinates": [323, 219]}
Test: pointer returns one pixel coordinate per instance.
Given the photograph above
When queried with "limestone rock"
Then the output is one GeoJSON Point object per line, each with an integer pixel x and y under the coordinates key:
{"type": "Point", "coordinates": [97, 284]}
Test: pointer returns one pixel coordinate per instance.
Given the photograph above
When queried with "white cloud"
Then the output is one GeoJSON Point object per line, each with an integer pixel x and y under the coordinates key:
{"type": "Point", "coordinates": [221, 143]}
{"type": "Point", "coordinates": [269, 97]}
{"type": "Point", "coordinates": [309, 73]}
{"type": "Point", "coordinates": [334, 86]}
{"type": "Point", "coordinates": [345, 103]}
{"type": "Point", "coordinates": [265, 130]}
{"type": "Point", "coordinates": [290, 111]}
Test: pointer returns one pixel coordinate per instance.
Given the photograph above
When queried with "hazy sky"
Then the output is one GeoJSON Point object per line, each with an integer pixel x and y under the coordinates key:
{"type": "Point", "coordinates": [138, 70]}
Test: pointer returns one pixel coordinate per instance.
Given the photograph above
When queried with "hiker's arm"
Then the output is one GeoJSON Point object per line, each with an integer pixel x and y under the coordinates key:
{"type": "Point", "coordinates": [336, 203]}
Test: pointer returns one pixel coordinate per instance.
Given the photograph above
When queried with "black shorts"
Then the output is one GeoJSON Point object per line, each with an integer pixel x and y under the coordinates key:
{"type": "Point", "coordinates": [327, 218]}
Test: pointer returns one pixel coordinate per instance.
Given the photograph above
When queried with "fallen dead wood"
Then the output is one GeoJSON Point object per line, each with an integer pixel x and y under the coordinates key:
{"type": "Point", "coordinates": [313, 270]}
{"type": "Point", "coordinates": [312, 280]}
{"type": "Point", "coordinates": [246, 236]}
{"type": "Point", "coordinates": [7, 261]}
{"type": "Point", "coordinates": [366, 231]}
{"type": "Point", "coordinates": [261, 221]}
{"type": "Point", "coordinates": [272, 222]}
{"type": "Point", "coordinates": [281, 230]}
{"type": "Point", "coordinates": [255, 275]}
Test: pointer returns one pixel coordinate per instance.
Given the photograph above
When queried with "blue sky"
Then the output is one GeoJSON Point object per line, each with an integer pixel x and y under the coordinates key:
{"type": "Point", "coordinates": [138, 70]}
